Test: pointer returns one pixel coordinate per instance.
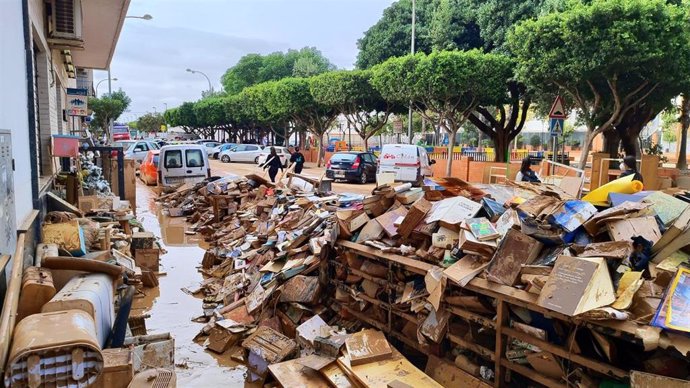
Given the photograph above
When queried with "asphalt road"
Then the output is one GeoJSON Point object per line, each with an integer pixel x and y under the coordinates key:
{"type": "Point", "coordinates": [310, 169]}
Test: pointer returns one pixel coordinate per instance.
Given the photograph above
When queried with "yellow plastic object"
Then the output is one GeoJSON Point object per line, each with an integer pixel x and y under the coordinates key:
{"type": "Point", "coordinates": [625, 185]}
{"type": "Point", "coordinates": [57, 349]}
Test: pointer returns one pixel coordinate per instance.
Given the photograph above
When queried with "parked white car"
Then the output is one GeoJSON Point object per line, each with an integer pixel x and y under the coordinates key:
{"type": "Point", "coordinates": [282, 152]}
{"type": "Point", "coordinates": [241, 153]}
{"type": "Point", "coordinates": [136, 149]}
{"type": "Point", "coordinates": [210, 147]}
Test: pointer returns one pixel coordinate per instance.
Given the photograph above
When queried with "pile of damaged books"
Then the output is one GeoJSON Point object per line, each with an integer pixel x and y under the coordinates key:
{"type": "Point", "coordinates": [431, 267]}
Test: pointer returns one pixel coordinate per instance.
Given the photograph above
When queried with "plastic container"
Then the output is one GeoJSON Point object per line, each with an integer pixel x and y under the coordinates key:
{"type": "Point", "coordinates": [56, 349]}
{"type": "Point", "coordinates": [91, 293]}
{"type": "Point", "coordinates": [65, 146]}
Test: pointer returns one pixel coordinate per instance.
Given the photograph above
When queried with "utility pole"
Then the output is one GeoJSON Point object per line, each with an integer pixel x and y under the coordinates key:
{"type": "Point", "coordinates": [409, 115]}
{"type": "Point", "coordinates": [111, 121]}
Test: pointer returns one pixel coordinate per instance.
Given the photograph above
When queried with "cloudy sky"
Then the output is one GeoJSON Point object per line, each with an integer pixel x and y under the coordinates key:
{"type": "Point", "coordinates": [211, 35]}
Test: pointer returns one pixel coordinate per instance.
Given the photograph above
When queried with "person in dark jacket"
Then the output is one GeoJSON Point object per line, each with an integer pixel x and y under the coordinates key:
{"type": "Point", "coordinates": [298, 159]}
{"type": "Point", "coordinates": [526, 174]}
{"type": "Point", "coordinates": [273, 163]}
{"type": "Point", "coordinates": [629, 167]}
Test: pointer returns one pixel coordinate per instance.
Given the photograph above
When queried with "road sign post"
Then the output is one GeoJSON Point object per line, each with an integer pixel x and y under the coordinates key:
{"type": "Point", "coordinates": [557, 118]}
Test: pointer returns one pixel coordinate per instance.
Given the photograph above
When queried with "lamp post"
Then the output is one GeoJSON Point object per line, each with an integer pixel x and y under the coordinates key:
{"type": "Point", "coordinates": [210, 87]}
{"type": "Point", "coordinates": [144, 17]}
{"type": "Point", "coordinates": [99, 83]}
{"type": "Point", "coordinates": [409, 115]}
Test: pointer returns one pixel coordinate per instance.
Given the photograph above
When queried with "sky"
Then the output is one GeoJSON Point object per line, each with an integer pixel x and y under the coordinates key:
{"type": "Point", "coordinates": [212, 35]}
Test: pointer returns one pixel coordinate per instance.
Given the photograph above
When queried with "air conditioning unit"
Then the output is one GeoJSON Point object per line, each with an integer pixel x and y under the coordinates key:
{"type": "Point", "coordinates": [65, 20]}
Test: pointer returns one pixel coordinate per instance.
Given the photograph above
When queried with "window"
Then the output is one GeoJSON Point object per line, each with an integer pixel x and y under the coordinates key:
{"type": "Point", "coordinates": [369, 158]}
{"type": "Point", "coordinates": [251, 148]}
{"type": "Point", "coordinates": [240, 148]}
{"type": "Point", "coordinates": [173, 159]}
{"type": "Point", "coordinates": [340, 158]}
{"type": "Point", "coordinates": [194, 158]}
{"type": "Point", "coordinates": [141, 147]}
{"type": "Point", "coordinates": [156, 158]}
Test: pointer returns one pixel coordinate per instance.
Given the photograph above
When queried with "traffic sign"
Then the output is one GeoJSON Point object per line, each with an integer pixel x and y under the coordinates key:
{"type": "Point", "coordinates": [556, 126]}
{"type": "Point", "coordinates": [557, 110]}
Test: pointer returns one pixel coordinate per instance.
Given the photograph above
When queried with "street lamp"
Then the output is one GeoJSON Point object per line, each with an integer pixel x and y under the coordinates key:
{"type": "Point", "coordinates": [99, 83]}
{"type": "Point", "coordinates": [409, 115]}
{"type": "Point", "coordinates": [145, 17]}
{"type": "Point", "coordinates": [210, 87]}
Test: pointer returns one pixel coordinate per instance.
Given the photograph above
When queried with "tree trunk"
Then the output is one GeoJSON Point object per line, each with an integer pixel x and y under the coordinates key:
{"type": "Point", "coordinates": [501, 146]}
{"type": "Point", "coordinates": [451, 145]}
{"type": "Point", "coordinates": [322, 150]}
{"type": "Point", "coordinates": [586, 146]}
{"type": "Point", "coordinates": [612, 141]}
{"type": "Point", "coordinates": [682, 163]}
{"type": "Point", "coordinates": [366, 143]}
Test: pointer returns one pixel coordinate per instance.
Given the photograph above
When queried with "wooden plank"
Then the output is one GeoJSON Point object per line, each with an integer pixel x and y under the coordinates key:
{"type": "Point", "coordinates": [412, 265]}
{"type": "Point", "coordinates": [9, 307]}
{"type": "Point", "coordinates": [471, 317]}
{"type": "Point", "coordinates": [336, 377]}
{"type": "Point", "coordinates": [648, 380]}
{"type": "Point", "coordinates": [596, 365]}
{"type": "Point", "coordinates": [450, 376]}
{"type": "Point", "coordinates": [532, 374]}
{"type": "Point", "coordinates": [478, 349]}
{"type": "Point", "coordinates": [502, 318]}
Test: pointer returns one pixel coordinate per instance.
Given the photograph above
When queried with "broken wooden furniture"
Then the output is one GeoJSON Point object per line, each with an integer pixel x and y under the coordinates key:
{"type": "Point", "coordinates": [320, 186]}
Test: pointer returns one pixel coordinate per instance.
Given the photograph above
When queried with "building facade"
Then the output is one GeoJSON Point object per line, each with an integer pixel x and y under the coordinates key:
{"type": "Point", "coordinates": [46, 47]}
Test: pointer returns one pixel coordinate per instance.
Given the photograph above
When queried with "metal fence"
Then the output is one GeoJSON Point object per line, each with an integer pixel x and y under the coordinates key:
{"type": "Point", "coordinates": [489, 156]}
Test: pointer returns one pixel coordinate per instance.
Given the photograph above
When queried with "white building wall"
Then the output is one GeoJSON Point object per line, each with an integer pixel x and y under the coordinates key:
{"type": "Point", "coordinates": [14, 100]}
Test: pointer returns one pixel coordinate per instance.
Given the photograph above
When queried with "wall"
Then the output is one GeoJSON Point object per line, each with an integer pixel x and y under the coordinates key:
{"type": "Point", "coordinates": [14, 100]}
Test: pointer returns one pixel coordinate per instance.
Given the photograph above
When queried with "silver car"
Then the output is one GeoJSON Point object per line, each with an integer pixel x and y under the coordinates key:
{"type": "Point", "coordinates": [241, 153]}
{"type": "Point", "coordinates": [137, 149]}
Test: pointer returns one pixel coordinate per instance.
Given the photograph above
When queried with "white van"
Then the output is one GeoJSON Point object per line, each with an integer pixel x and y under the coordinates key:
{"type": "Point", "coordinates": [183, 163]}
{"type": "Point", "coordinates": [409, 163]}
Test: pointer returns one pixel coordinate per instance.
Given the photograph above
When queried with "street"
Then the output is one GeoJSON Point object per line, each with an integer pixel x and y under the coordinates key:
{"type": "Point", "coordinates": [310, 169]}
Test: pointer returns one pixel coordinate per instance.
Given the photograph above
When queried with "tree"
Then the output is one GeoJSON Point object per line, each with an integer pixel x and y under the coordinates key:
{"type": "Point", "coordinates": [150, 122]}
{"type": "Point", "coordinates": [441, 24]}
{"type": "Point", "coordinates": [107, 108]}
{"type": "Point", "coordinates": [495, 18]}
{"type": "Point", "coordinates": [253, 69]}
{"type": "Point", "coordinates": [182, 116]}
{"type": "Point", "coordinates": [353, 96]}
{"type": "Point", "coordinates": [444, 87]}
{"type": "Point", "coordinates": [292, 98]}
{"type": "Point", "coordinates": [682, 163]}
{"type": "Point", "coordinates": [607, 56]}
{"type": "Point", "coordinates": [535, 141]}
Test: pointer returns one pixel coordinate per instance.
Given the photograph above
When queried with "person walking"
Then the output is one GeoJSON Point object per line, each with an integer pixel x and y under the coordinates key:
{"type": "Point", "coordinates": [273, 164]}
{"type": "Point", "coordinates": [526, 174]}
{"type": "Point", "coordinates": [629, 167]}
{"type": "Point", "coordinates": [298, 160]}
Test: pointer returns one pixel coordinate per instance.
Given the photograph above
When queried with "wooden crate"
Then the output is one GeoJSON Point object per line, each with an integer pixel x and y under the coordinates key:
{"type": "Point", "coordinates": [117, 369]}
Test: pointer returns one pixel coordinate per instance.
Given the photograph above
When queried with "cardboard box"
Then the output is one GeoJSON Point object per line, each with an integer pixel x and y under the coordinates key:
{"type": "Point", "coordinates": [148, 258]}
{"type": "Point", "coordinates": [92, 202]}
{"type": "Point", "coordinates": [414, 216]}
{"type": "Point", "coordinates": [117, 369]}
{"type": "Point", "coordinates": [67, 235]}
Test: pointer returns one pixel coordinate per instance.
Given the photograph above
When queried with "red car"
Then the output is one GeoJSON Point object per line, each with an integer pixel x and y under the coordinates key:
{"type": "Point", "coordinates": [148, 172]}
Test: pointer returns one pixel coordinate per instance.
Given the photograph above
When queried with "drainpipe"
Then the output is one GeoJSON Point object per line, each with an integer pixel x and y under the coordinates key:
{"type": "Point", "coordinates": [31, 103]}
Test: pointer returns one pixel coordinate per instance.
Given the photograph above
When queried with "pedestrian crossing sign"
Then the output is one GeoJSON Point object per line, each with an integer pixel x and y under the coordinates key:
{"type": "Point", "coordinates": [556, 127]}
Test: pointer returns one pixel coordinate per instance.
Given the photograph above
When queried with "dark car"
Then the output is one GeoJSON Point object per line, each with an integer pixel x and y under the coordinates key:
{"type": "Point", "coordinates": [352, 166]}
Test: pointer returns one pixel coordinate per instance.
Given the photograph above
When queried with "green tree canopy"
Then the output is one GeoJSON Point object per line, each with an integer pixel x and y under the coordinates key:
{"type": "Point", "coordinates": [352, 94]}
{"type": "Point", "coordinates": [107, 108]}
{"type": "Point", "coordinates": [607, 56]}
{"type": "Point", "coordinates": [254, 69]}
{"type": "Point", "coordinates": [440, 24]}
{"type": "Point", "coordinates": [291, 97]}
{"type": "Point", "coordinates": [150, 122]}
{"type": "Point", "coordinates": [444, 87]}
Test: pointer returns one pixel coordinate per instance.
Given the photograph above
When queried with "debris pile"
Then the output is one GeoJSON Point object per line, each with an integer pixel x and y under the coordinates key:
{"type": "Point", "coordinates": [482, 279]}
{"type": "Point", "coordinates": [74, 303]}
